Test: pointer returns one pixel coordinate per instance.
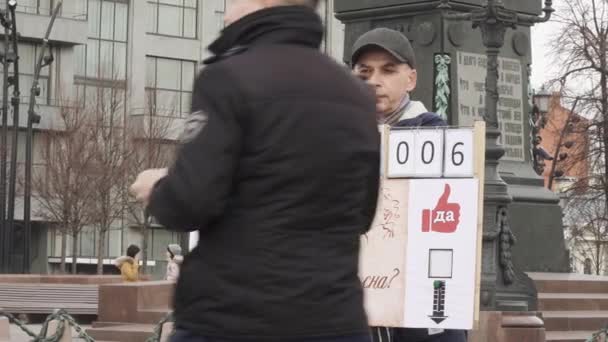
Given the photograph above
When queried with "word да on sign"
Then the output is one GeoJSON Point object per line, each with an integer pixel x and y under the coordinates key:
{"type": "Point", "coordinates": [430, 153]}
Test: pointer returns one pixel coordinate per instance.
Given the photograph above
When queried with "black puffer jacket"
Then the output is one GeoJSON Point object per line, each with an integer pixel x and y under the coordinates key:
{"type": "Point", "coordinates": [278, 168]}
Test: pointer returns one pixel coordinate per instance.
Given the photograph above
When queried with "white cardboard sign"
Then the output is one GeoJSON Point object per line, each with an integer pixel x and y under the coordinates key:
{"type": "Point", "coordinates": [441, 249]}
{"type": "Point", "coordinates": [425, 231]}
{"type": "Point", "coordinates": [420, 262]}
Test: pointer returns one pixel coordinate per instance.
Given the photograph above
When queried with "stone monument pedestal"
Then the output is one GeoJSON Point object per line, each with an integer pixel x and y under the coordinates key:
{"type": "Point", "coordinates": [130, 311]}
{"type": "Point", "coordinates": [456, 65]}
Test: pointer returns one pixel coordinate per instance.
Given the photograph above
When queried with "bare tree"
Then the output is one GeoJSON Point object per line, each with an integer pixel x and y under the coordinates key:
{"type": "Point", "coordinates": [568, 148]}
{"type": "Point", "coordinates": [63, 187]}
{"type": "Point", "coordinates": [151, 146]}
{"type": "Point", "coordinates": [580, 48]}
{"type": "Point", "coordinates": [106, 109]}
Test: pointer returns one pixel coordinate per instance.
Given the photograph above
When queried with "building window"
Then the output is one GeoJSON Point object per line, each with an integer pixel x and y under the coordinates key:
{"type": "Point", "coordinates": [105, 54]}
{"type": "Point", "coordinates": [28, 57]}
{"type": "Point", "coordinates": [158, 240]}
{"type": "Point", "coordinates": [169, 86]}
{"type": "Point", "coordinates": [34, 6]}
{"type": "Point", "coordinates": [587, 266]}
{"type": "Point", "coordinates": [173, 17]}
{"type": "Point", "coordinates": [102, 62]}
{"type": "Point", "coordinates": [74, 9]}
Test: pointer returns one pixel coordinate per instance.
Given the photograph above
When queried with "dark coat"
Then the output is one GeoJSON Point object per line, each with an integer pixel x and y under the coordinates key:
{"type": "Point", "coordinates": [423, 120]}
{"type": "Point", "coordinates": [278, 167]}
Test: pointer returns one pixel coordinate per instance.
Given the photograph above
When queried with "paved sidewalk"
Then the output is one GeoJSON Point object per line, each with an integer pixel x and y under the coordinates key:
{"type": "Point", "coordinates": [17, 335]}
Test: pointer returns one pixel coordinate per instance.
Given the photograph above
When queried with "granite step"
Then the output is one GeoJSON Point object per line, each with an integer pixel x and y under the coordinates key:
{"type": "Point", "coordinates": [569, 283]}
{"type": "Point", "coordinates": [572, 301]}
{"type": "Point", "coordinates": [123, 333]}
{"type": "Point", "coordinates": [575, 320]}
{"type": "Point", "coordinates": [568, 336]}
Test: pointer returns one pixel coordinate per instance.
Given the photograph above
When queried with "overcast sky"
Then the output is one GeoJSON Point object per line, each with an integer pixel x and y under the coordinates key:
{"type": "Point", "coordinates": [542, 68]}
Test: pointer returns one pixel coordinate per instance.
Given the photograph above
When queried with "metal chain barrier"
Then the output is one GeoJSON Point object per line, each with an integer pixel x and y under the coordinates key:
{"type": "Point", "coordinates": [158, 329]}
{"type": "Point", "coordinates": [62, 318]}
{"type": "Point", "coordinates": [79, 330]}
{"type": "Point", "coordinates": [44, 330]}
{"type": "Point", "coordinates": [600, 336]}
{"type": "Point", "coordinates": [13, 320]}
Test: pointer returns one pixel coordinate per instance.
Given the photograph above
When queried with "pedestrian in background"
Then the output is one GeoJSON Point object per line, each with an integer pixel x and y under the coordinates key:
{"type": "Point", "coordinates": [129, 264]}
{"type": "Point", "coordinates": [174, 261]}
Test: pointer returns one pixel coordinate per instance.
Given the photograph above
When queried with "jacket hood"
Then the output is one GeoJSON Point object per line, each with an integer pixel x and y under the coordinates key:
{"type": "Point", "coordinates": [121, 260]}
{"type": "Point", "coordinates": [274, 25]}
{"type": "Point", "coordinates": [178, 259]}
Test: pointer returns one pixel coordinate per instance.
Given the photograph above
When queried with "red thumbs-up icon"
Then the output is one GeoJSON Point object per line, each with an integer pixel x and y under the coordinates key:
{"type": "Point", "coordinates": [444, 218]}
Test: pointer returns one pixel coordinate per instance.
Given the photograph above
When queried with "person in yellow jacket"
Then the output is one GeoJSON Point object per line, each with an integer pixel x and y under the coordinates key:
{"type": "Point", "coordinates": [129, 264]}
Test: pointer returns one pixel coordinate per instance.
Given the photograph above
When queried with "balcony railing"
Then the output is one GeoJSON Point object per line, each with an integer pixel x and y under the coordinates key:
{"type": "Point", "coordinates": [46, 11]}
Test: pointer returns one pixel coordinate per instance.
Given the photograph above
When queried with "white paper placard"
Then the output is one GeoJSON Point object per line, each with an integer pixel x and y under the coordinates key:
{"type": "Point", "coordinates": [458, 161]}
{"type": "Point", "coordinates": [401, 158]}
{"type": "Point", "coordinates": [441, 253]}
{"type": "Point", "coordinates": [428, 153]}
{"type": "Point", "coordinates": [420, 262]}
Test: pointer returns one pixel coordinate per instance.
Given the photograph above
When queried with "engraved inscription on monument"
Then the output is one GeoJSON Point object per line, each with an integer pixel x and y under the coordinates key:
{"type": "Point", "coordinates": [471, 99]}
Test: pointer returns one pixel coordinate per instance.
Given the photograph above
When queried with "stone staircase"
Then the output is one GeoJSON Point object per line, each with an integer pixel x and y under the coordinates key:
{"type": "Point", "coordinates": [129, 312]}
{"type": "Point", "coordinates": [574, 306]}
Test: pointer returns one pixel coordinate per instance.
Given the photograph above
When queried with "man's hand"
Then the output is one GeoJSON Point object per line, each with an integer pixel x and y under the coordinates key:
{"type": "Point", "coordinates": [144, 183]}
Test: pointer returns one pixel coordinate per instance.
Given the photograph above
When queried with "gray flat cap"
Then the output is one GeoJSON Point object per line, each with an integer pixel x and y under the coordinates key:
{"type": "Point", "coordinates": [394, 42]}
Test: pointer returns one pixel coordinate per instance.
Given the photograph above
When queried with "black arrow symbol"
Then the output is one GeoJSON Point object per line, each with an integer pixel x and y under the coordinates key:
{"type": "Point", "coordinates": [438, 302]}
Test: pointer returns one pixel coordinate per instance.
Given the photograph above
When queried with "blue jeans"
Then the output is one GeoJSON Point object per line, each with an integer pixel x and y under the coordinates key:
{"type": "Point", "coordinates": [186, 336]}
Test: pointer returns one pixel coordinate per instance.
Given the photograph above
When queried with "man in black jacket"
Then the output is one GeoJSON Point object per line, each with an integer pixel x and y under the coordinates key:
{"type": "Point", "coordinates": [278, 167]}
{"type": "Point", "coordinates": [385, 59]}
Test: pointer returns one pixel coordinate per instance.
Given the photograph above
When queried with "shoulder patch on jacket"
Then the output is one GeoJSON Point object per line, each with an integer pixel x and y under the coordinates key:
{"type": "Point", "coordinates": [194, 124]}
{"type": "Point", "coordinates": [237, 50]}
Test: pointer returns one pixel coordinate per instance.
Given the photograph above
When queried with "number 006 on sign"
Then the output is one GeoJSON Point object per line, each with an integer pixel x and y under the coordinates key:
{"type": "Point", "coordinates": [430, 153]}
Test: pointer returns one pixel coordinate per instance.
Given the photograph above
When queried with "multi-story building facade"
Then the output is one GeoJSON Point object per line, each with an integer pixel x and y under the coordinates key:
{"type": "Point", "coordinates": [565, 139]}
{"type": "Point", "coordinates": [148, 52]}
{"type": "Point", "coordinates": [568, 138]}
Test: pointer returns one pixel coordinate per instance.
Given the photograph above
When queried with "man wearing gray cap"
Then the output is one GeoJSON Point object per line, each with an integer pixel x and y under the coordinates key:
{"type": "Point", "coordinates": [385, 60]}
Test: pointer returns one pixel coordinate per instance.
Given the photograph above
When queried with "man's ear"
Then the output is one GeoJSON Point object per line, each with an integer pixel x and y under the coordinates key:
{"type": "Point", "coordinates": [413, 80]}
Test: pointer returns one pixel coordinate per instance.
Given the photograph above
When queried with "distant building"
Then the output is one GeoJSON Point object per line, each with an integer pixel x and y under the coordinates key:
{"type": "Point", "coordinates": [148, 49]}
{"type": "Point", "coordinates": [565, 133]}
{"type": "Point", "coordinates": [566, 138]}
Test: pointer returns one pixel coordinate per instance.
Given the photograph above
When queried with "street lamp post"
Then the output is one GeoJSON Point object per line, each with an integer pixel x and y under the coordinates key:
{"type": "Point", "coordinates": [15, 100]}
{"type": "Point", "coordinates": [34, 118]}
{"type": "Point", "coordinates": [6, 60]}
{"type": "Point", "coordinates": [493, 20]}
